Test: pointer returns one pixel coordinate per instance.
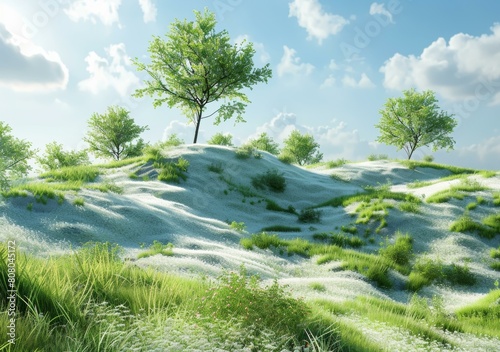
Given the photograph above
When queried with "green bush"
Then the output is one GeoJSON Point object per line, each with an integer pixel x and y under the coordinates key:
{"type": "Point", "coordinates": [374, 157]}
{"type": "Point", "coordinates": [285, 158]}
{"type": "Point", "coordinates": [272, 179]}
{"type": "Point", "coordinates": [342, 240]}
{"type": "Point", "coordinates": [264, 240]}
{"type": "Point", "coordinates": [158, 248]}
{"type": "Point", "coordinates": [265, 143]}
{"type": "Point", "coordinates": [349, 229]}
{"type": "Point", "coordinates": [428, 158]}
{"type": "Point", "coordinates": [216, 167]}
{"type": "Point", "coordinates": [336, 163]}
{"type": "Point", "coordinates": [401, 251]}
{"type": "Point", "coordinates": [495, 253]}
{"type": "Point", "coordinates": [172, 141]}
{"type": "Point", "coordinates": [79, 201]}
{"type": "Point", "coordinates": [238, 226]}
{"type": "Point", "coordinates": [221, 139]}
{"type": "Point", "coordinates": [459, 275]}
{"type": "Point", "coordinates": [173, 171]}
{"type": "Point", "coordinates": [281, 228]}
{"type": "Point", "coordinates": [465, 224]}
{"type": "Point", "coordinates": [310, 216]}
{"type": "Point", "coordinates": [81, 173]}
{"type": "Point", "coordinates": [272, 205]}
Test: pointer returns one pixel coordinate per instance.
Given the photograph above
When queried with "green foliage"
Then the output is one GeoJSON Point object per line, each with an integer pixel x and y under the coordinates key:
{"type": "Point", "coordinates": [495, 253]}
{"type": "Point", "coordinates": [265, 143]}
{"type": "Point", "coordinates": [82, 173]}
{"type": "Point", "coordinates": [43, 191]}
{"type": "Point", "coordinates": [317, 286]}
{"type": "Point", "coordinates": [496, 198]}
{"type": "Point", "coordinates": [79, 201]}
{"type": "Point", "coordinates": [247, 151]}
{"type": "Point", "coordinates": [424, 272]}
{"type": "Point", "coordinates": [301, 148]}
{"type": "Point", "coordinates": [221, 139]}
{"type": "Point", "coordinates": [263, 240]}
{"type": "Point", "coordinates": [281, 228]}
{"type": "Point", "coordinates": [493, 221]}
{"type": "Point", "coordinates": [120, 163]}
{"type": "Point", "coordinates": [339, 239]}
{"type": "Point", "coordinates": [459, 275]}
{"type": "Point", "coordinates": [272, 205]}
{"type": "Point", "coordinates": [372, 193]}
{"type": "Point", "coordinates": [173, 171]}
{"type": "Point", "coordinates": [375, 157]}
{"type": "Point", "coordinates": [428, 158]}
{"type": "Point", "coordinates": [158, 248]}
{"type": "Point", "coordinates": [456, 191]}
{"type": "Point", "coordinates": [112, 134]}
{"type": "Point", "coordinates": [238, 226]}
{"type": "Point", "coordinates": [272, 179]}
{"type": "Point", "coordinates": [414, 121]}
{"type": "Point", "coordinates": [14, 156]}
{"type": "Point", "coordinates": [401, 251]}
{"type": "Point", "coordinates": [238, 296]}
{"type": "Point", "coordinates": [286, 159]}
{"type": "Point", "coordinates": [202, 67]}
{"type": "Point", "coordinates": [172, 141]}
{"type": "Point", "coordinates": [106, 187]}
{"type": "Point", "coordinates": [216, 167]}
{"type": "Point", "coordinates": [55, 157]}
{"type": "Point", "coordinates": [410, 207]}
{"type": "Point", "coordinates": [413, 164]}
{"type": "Point", "coordinates": [465, 224]}
{"type": "Point", "coordinates": [310, 216]}
{"type": "Point", "coordinates": [349, 229]}
{"type": "Point", "coordinates": [336, 163]}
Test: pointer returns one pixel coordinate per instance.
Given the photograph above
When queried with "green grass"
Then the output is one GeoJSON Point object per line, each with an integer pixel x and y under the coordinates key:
{"type": "Point", "coordinates": [471, 206]}
{"type": "Point", "coordinates": [488, 229]}
{"type": "Point", "coordinates": [273, 206]}
{"type": "Point", "coordinates": [158, 248]}
{"type": "Point", "coordinates": [412, 164]}
{"type": "Point", "coordinates": [456, 191]}
{"type": "Point", "coordinates": [495, 253]}
{"type": "Point", "coordinates": [496, 198]}
{"type": "Point", "coordinates": [105, 187]}
{"type": "Point", "coordinates": [218, 168]}
{"type": "Point", "coordinates": [273, 180]}
{"type": "Point", "coordinates": [124, 162]}
{"type": "Point", "coordinates": [82, 173]}
{"type": "Point", "coordinates": [309, 216]}
{"type": "Point", "coordinates": [246, 152]}
{"type": "Point", "coordinates": [368, 196]}
{"type": "Point", "coordinates": [43, 191]}
{"type": "Point", "coordinates": [238, 226]}
{"type": "Point", "coordinates": [79, 201]}
{"type": "Point", "coordinates": [375, 157]}
{"type": "Point", "coordinates": [172, 171]}
{"type": "Point", "coordinates": [94, 301]}
{"type": "Point", "coordinates": [399, 252]}
{"type": "Point", "coordinates": [339, 239]}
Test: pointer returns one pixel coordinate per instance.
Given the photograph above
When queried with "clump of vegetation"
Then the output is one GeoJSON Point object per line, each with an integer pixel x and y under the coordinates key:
{"type": "Point", "coordinates": [246, 152]}
{"type": "Point", "coordinates": [265, 143]}
{"type": "Point", "coordinates": [272, 179]}
{"type": "Point", "coordinates": [336, 163]}
{"type": "Point", "coordinates": [349, 229]}
{"type": "Point", "coordinates": [428, 158]}
{"type": "Point", "coordinates": [79, 201]}
{"type": "Point", "coordinates": [339, 239]}
{"type": "Point", "coordinates": [401, 251]}
{"type": "Point", "coordinates": [221, 139]}
{"type": "Point", "coordinates": [158, 248]}
{"type": "Point", "coordinates": [375, 157]}
{"type": "Point", "coordinates": [272, 205]}
{"type": "Point", "coordinates": [302, 149]}
{"type": "Point", "coordinates": [310, 216]}
{"type": "Point", "coordinates": [218, 168]}
{"type": "Point", "coordinates": [43, 191]}
{"type": "Point", "coordinates": [238, 226]}
{"type": "Point", "coordinates": [56, 157]}
{"type": "Point", "coordinates": [373, 211]}
{"type": "Point", "coordinates": [456, 191]}
{"type": "Point", "coordinates": [106, 187]}
{"type": "Point", "coordinates": [81, 173]}
{"type": "Point", "coordinates": [496, 198]}
{"type": "Point", "coordinates": [173, 171]}
{"type": "Point", "coordinates": [172, 141]}
{"type": "Point", "coordinates": [465, 224]}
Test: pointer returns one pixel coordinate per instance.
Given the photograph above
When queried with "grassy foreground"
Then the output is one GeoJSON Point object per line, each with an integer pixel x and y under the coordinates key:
{"type": "Point", "coordinates": [92, 300]}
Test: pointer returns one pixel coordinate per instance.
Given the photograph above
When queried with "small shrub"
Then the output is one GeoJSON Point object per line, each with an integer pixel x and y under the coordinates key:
{"type": "Point", "coordinates": [428, 158]}
{"type": "Point", "coordinates": [401, 251]}
{"type": "Point", "coordinates": [480, 200]}
{"type": "Point", "coordinates": [247, 151]}
{"type": "Point", "coordinates": [493, 221]}
{"type": "Point", "coordinates": [495, 266]}
{"type": "Point", "coordinates": [316, 286]}
{"type": "Point", "coordinates": [410, 207]}
{"type": "Point", "coordinates": [495, 253]}
{"type": "Point", "coordinates": [221, 139]}
{"type": "Point", "coordinates": [272, 179]}
{"type": "Point", "coordinates": [173, 171]}
{"type": "Point", "coordinates": [172, 141]}
{"type": "Point", "coordinates": [264, 240]}
{"type": "Point", "coordinates": [158, 248]}
{"type": "Point", "coordinates": [459, 275]}
{"type": "Point", "coordinates": [272, 205]}
{"type": "Point", "coordinates": [416, 281]}
{"type": "Point", "coordinates": [465, 224]}
{"type": "Point", "coordinates": [374, 157]}
{"type": "Point", "coordinates": [238, 226]}
{"type": "Point", "coordinates": [336, 163]}
{"type": "Point", "coordinates": [342, 240]}
{"type": "Point", "coordinates": [82, 173]}
{"type": "Point", "coordinates": [310, 216]}
{"type": "Point", "coordinates": [286, 159]}
{"type": "Point", "coordinates": [79, 202]}
{"type": "Point", "coordinates": [216, 167]}
{"type": "Point", "coordinates": [471, 206]}
{"type": "Point", "coordinates": [425, 271]}
{"type": "Point", "coordinates": [349, 229]}
{"type": "Point", "coordinates": [496, 199]}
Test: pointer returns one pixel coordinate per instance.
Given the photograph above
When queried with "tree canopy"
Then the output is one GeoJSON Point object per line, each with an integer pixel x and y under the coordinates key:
{"type": "Point", "coordinates": [414, 121]}
{"type": "Point", "coordinates": [14, 156]}
{"type": "Point", "coordinates": [221, 139]}
{"type": "Point", "coordinates": [301, 148]}
{"type": "Point", "coordinates": [195, 66]}
{"type": "Point", "coordinates": [265, 143]}
{"type": "Point", "coordinates": [56, 157]}
{"type": "Point", "coordinates": [114, 134]}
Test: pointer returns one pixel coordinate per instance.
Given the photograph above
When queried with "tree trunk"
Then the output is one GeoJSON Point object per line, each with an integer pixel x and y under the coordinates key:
{"type": "Point", "coordinates": [198, 121]}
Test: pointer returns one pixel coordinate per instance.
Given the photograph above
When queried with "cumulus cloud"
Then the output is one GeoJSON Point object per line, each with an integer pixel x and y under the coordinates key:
{"type": "Point", "coordinates": [93, 10]}
{"type": "Point", "coordinates": [260, 50]}
{"type": "Point", "coordinates": [464, 68]}
{"type": "Point", "coordinates": [290, 64]}
{"type": "Point", "coordinates": [318, 23]}
{"type": "Point", "coordinates": [335, 139]}
{"type": "Point", "coordinates": [379, 9]}
{"type": "Point", "coordinates": [364, 82]}
{"type": "Point", "coordinates": [149, 10]}
{"type": "Point", "coordinates": [111, 72]}
{"type": "Point", "coordinates": [328, 82]}
{"type": "Point", "coordinates": [27, 67]}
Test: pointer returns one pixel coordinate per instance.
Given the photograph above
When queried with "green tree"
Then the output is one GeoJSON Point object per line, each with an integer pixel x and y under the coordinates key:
{"type": "Point", "coordinates": [113, 134]}
{"type": "Point", "coordinates": [301, 148]}
{"type": "Point", "coordinates": [55, 157]}
{"type": "Point", "coordinates": [14, 156]}
{"type": "Point", "coordinates": [221, 139]}
{"type": "Point", "coordinates": [172, 141]}
{"type": "Point", "coordinates": [265, 143]}
{"type": "Point", "coordinates": [414, 121]}
{"type": "Point", "coordinates": [196, 66]}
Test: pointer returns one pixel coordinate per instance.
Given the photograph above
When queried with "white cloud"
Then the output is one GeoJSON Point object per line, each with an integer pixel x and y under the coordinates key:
{"type": "Point", "coordinates": [328, 82]}
{"type": "Point", "coordinates": [111, 72]}
{"type": "Point", "coordinates": [26, 67]}
{"type": "Point", "coordinates": [318, 23]}
{"type": "Point", "coordinates": [183, 130]}
{"type": "Point", "coordinates": [464, 68]}
{"type": "Point", "coordinates": [91, 10]}
{"type": "Point", "coordinates": [364, 82]}
{"type": "Point", "coordinates": [379, 9]}
{"type": "Point", "coordinates": [290, 64]}
{"type": "Point", "coordinates": [149, 10]}
{"type": "Point", "coordinates": [260, 50]}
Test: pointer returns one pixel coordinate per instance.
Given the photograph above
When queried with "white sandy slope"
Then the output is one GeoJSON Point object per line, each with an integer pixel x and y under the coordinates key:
{"type": "Point", "coordinates": [193, 215]}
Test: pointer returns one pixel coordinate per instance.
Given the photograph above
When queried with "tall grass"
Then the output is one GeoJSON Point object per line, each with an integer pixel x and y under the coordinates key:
{"type": "Point", "coordinates": [82, 173]}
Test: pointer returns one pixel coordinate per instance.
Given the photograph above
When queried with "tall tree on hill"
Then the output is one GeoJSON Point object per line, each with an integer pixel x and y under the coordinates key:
{"type": "Point", "coordinates": [114, 134]}
{"type": "Point", "coordinates": [196, 66]}
{"type": "Point", "coordinates": [414, 121]}
{"type": "Point", "coordinates": [301, 149]}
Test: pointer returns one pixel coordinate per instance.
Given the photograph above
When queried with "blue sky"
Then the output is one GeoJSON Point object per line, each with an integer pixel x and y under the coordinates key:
{"type": "Point", "coordinates": [334, 65]}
